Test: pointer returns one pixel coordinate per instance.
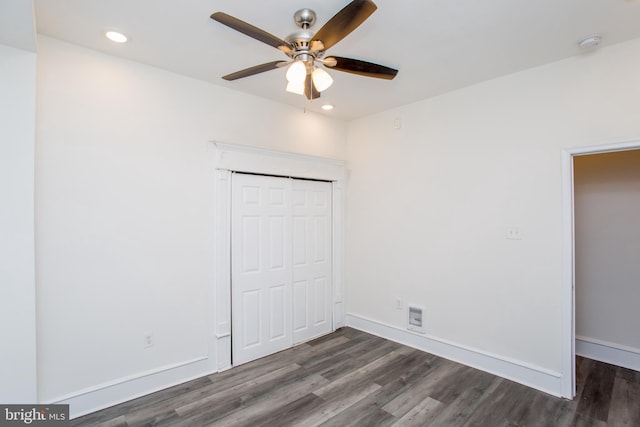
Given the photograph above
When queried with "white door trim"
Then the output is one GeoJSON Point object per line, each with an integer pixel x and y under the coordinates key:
{"type": "Point", "coordinates": [242, 158]}
{"type": "Point", "coordinates": [568, 256]}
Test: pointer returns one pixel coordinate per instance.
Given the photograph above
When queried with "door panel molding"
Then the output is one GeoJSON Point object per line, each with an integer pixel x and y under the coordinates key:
{"type": "Point", "coordinates": [264, 326]}
{"type": "Point", "coordinates": [313, 247]}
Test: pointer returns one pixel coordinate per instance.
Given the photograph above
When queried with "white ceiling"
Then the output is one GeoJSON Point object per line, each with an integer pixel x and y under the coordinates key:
{"type": "Point", "coordinates": [438, 45]}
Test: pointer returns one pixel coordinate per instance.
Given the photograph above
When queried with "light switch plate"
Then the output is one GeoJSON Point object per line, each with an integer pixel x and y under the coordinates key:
{"type": "Point", "coordinates": [514, 233]}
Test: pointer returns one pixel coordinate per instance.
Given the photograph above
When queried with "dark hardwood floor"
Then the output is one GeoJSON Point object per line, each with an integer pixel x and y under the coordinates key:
{"type": "Point", "coordinates": [351, 378]}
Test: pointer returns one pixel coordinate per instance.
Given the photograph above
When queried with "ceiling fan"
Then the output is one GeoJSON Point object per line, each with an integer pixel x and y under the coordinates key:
{"type": "Point", "coordinates": [306, 50]}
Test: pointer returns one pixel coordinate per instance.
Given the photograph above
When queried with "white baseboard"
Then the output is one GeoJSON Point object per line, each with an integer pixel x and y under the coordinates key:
{"type": "Point", "coordinates": [521, 372]}
{"type": "Point", "coordinates": [615, 354]}
{"type": "Point", "coordinates": [105, 395]}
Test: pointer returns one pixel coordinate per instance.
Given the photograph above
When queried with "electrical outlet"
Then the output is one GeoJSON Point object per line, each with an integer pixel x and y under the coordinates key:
{"type": "Point", "coordinates": [148, 339]}
{"type": "Point", "coordinates": [399, 304]}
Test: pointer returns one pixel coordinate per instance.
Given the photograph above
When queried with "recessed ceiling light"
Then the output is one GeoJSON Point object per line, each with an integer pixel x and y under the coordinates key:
{"type": "Point", "coordinates": [115, 36]}
{"type": "Point", "coordinates": [590, 41]}
{"type": "Point", "coordinates": [327, 107]}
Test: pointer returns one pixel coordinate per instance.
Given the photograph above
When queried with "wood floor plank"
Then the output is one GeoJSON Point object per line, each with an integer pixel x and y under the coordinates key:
{"type": "Point", "coordinates": [147, 406]}
{"type": "Point", "coordinates": [337, 364]}
{"type": "Point", "coordinates": [504, 403]}
{"type": "Point", "coordinates": [164, 419]}
{"type": "Point", "coordinates": [461, 409]}
{"type": "Point", "coordinates": [147, 413]}
{"type": "Point", "coordinates": [327, 346]}
{"type": "Point", "coordinates": [457, 413]}
{"type": "Point", "coordinates": [375, 402]}
{"type": "Point", "coordinates": [359, 374]}
{"type": "Point", "coordinates": [120, 421]}
{"type": "Point", "coordinates": [347, 333]}
{"type": "Point", "coordinates": [336, 404]}
{"type": "Point", "coordinates": [566, 414]}
{"type": "Point", "coordinates": [581, 420]}
{"type": "Point", "coordinates": [333, 369]}
{"type": "Point", "coordinates": [252, 413]}
{"type": "Point", "coordinates": [385, 347]}
{"type": "Point", "coordinates": [404, 402]}
{"type": "Point", "coordinates": [583, 368]}
{"type": "Point", "coordinates": [628, 374]}
{"type": "Point", "coordinates": [232, 410]}
{"type": "Point", "coordinates": [543, 410]}
{"type": "Point", "coordinates": [292, 413]}
{"type": "Point", "coordinates": [408, 367]}
{"type": "Point", "coordinates": [350, 378]}
{"type": "Point", "coordinates": [238, 389]}
{"type": "Point", "coordinates": [421, 414]}
{"type": "Point", "coordinates": [595, 399]}
{"type": "Point", "coordinates": [229, 379]}
{"type": "Point", "coordinates": [369, 416]}
{"type": "Point", "coordinates": [625, 404]}
{"type": "Point", "coordinates": [347, 350]}
{"type": "Point", "coordinates": [449, 389]}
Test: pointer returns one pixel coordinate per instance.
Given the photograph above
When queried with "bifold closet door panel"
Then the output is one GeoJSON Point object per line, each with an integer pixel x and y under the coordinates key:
{"type": "Point", "coordinates": [312, 270]}
{"type": "Point", "coordinates": [261, 267]}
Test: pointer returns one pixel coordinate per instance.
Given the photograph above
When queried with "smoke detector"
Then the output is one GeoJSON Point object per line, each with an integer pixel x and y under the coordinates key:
{"type": "Point", "coordinates": [590, 41]}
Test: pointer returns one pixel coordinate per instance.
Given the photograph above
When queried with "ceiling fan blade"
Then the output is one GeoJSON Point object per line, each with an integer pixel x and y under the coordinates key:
{"type": "Point", "coordinates": [363, 68]}
{"type": "Point", "coordinates": [342, 23]}
{"type": "Point", "coordinates": [310, 90]}
{"type": "Point", "coordinates": [255, 70]}
{"type": "Point", "coordinates": [250, 30]}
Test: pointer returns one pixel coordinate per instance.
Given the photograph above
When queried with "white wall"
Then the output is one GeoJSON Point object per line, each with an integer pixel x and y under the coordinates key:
{"type": "Point", "coordinates": [124, 210]}
{"type": "Point", "coordinates": [17, 27]}
{"type": "Point", "coordinates": [123, 206]}
{"type": "Point", "coordinates": [429, 204]}
{"type": "Point", "coordinates": [607, 223]}
{"type": "Point", "coordinates": [17, 281]}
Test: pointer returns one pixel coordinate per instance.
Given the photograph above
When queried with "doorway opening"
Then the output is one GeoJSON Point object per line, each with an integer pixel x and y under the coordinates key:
{"type": "Point", "coordinates": [569, 264]}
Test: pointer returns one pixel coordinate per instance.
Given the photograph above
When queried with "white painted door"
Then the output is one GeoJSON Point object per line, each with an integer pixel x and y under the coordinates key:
{"type": "Point", "coordinates": [261, 268]}
{"type": "Point", "coordinates": [311, 259]}
{"type": "Point", "coordinates": [280, 263]}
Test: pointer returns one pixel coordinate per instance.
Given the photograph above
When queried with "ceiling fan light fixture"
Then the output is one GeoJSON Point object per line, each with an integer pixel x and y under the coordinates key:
{"type": "Point", "coordinates": [297, 72]}
{"type": "Point", "coordinates": [321, 79]}
{"type": "Point", "coordinates": [296, 87]}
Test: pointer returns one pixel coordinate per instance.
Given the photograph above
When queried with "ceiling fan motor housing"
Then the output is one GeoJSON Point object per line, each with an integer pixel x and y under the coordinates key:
{"type": "Point", "coordinates": [299, 40]}
{"type": "Point", "coordinates": [300, 43]}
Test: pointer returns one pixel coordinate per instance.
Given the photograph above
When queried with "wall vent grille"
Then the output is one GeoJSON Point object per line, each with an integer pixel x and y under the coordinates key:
{"type": "Point", "coordinates": [415, 321]}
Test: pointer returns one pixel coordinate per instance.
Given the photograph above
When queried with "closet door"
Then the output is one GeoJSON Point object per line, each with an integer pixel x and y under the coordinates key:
{"type": "Point", "coordinates": [312, 215]}
{"type": "Point", "coordinates": [261, 268]}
